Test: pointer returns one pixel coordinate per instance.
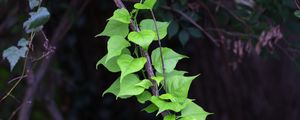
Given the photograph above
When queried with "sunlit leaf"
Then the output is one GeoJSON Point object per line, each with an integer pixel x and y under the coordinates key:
{"type": "Point", "coordinates": [145, 84]}
{"type": "Point", "coordinates": [151, 108]}
{"type": "Point", "coordinates": [170, 59]}
{"type": "Point", "coordinates": [148, 4]}
{"type": "Point", "coordinates": [178, 86]}
{"type": "Point", "coordinates": [130, 65]}
{"type": "Point", "coordinates": [145, 96]}
{"type": "Point", "coordinates": [121, 15]}
{"type": "Point", "coordinates": [115, 28]}
{"type": "Point", "coordinates": [115, 46]}
{"type": "Point", "coordinates": [170, 117]}
{"type": "Point", "coordinates": [148, 24]}
{"type": "Point", "coordinates": [193, 112]}
{"type": "Point", "coordinates": [142, 38]}
{"type": "Point", "coordinates": [111, 64]}
{"type": "Point", "coordinates": [128, 86]}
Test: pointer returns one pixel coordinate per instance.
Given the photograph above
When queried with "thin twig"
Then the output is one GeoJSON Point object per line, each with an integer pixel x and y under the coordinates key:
{"type": "Point", "coordinates": [238, 34]}
{"type": "Point", "coordinates": [17, 78]}
{"type": "Point", "coordinates": [160, 50]}
{"type": "Point", "coordinates": [194, 23]}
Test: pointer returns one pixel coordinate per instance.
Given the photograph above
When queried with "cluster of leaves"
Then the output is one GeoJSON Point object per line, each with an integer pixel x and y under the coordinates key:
{"type": "Point", "coordinates": [34, 24]}
{"type": "Point", "coordinates": [120, 59]}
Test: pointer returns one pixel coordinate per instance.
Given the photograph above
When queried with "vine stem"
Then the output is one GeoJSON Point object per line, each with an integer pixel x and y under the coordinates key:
{"type": "Point", "coordinates": [23, 71]}
{"type": "Point", "coordinates": [160, 50]}
{"type": "Point", "coordinates": [148, 65]}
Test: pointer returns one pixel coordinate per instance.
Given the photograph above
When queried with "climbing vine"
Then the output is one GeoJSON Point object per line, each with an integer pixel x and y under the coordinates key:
{"type": "Point", "coordinates": [128, 55]}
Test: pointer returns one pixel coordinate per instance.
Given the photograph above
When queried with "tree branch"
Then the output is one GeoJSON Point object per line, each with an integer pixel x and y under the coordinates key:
{"type": "Point", "coordinates": [148, 65]}
{"type": "Point", "coordinates": [194, 23]}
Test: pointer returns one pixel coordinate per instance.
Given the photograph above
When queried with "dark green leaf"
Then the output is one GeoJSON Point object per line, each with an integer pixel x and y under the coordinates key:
{"type": "Point", "coordinates": [297, 13]}
{"type": "Point", "coordinates": [194, 32]}
{"type": "Point", "coordinates": [173, 29]}
{"type": "Point", "coordinates": [183, 37]}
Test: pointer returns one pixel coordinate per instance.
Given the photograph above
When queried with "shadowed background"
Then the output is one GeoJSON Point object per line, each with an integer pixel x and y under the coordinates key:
{"type": "Point", "coordinates": [241, 79]}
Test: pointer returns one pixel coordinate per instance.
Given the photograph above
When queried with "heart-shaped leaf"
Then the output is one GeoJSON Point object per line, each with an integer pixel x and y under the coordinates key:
{"type": "Point", "coordinates": [128, 86]}
{"type": "Point", "coordinates": [130, 65]}
{"type": "Point", "coordinates": [148, 4]}
{"type": "Point", "coordinates": [162, 27]}
{"type": "Point", "coordinates": [121, 15]}
{"type": "Point", "coordinates": [178, 86]}
{"type": "Point", "coordinates": [142, 38]}
{"type": "Point", "coordinates": [115, 28]}
{"type": "Point", "coordinates": [145, 96]}
{"type": "Point", "coordinates": [170, 59]}
{"type": "Point", "coordinates": [13, 53]}
{"type": "Point", "coordinates": [111, 64]}
{"type": "Point", "coordinates": [36, 20]}
{"type": "Point", "coordinates": [193, 112]}
{"type": "Point", "coordinates": [115, 46]}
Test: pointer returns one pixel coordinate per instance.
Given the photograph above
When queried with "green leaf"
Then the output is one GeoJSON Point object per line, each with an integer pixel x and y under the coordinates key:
{"type": "Point", "coordinates": [130, 65]}
{"type": "Point", "coordinates": [36, 20]}
{"type": "Point", "coordinates": [297, 13]}
{"type": "Point", "coordinates": [128, 86]}
{"type": "Point", "coordinates": [34, 3]}
{"type": "Point", "coordinates": [164, 105]}
{"type": "Point", "coordinates": [115, 28]}
{"type": "Point", "coordinates": [193, 112]}
{"type": "Point", "coordinates": [143, 38]}
{"type": "Point", "coordinates": [121, 15]}
{"type": "Point", "coordinates": [158, 79]}
{"type": "Point", "coordinates": [111, 64]}
{"type": "Point", "coordinates": [183, 37]}
{"type": "Point", "coordinates": [151, 108]}
{"type": "Point", "coordinates": [173, 73]}
{"type": "Point", "coordinates": [145, 84]}
{"type": "Point", "coordinates": [196, 33]}
{"type": "Point", "coordinates": [125, 89]}
{"type": "Point", "coordinates": [170, 59]}
{"type": "Point", "coordinates": [167, 96]}
{"type": "Point", "coordinates": [148, 4]}
{"type": "Point", "coordinates": [173, 29]}
{"type": "Point", "coordinates": [178, 86]}
{"type": "Point", "coordinates": [13, 53]}
{"type": "Point", "coordinates": [148, 24]}
{"type": "Point", "coordinates": [115, 46]}
{"type": "Point", "coordinates": [114, 88]}
{"type": "Point", "coordinates": [170, 117]}
{"type": "Point", "coordinates": [145, 96]}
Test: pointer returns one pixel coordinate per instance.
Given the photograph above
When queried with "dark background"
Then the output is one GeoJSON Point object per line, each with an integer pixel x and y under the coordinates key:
{"type": "Point", "coordinates": [245, 86]}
